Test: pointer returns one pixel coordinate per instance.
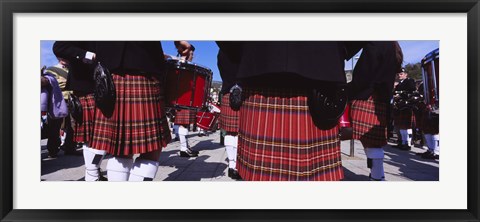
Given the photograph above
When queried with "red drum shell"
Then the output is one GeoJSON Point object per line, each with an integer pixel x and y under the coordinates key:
{"type": "Point", "coordinates": [344, 120]}
{"type": "Point", "coordinates": [187, 85]}
{"type": "Point", "coordinates": [206, 120]}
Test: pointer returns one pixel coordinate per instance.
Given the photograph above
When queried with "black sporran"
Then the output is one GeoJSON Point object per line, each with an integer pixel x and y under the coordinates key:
{"type": "Point", "coordinates": [105, 94]}
{"type": "Point", "coordinates": [327, 103]}
{"type": "Point", "coordinates": [235, 97]}
{"type": "Point", "coordinates": [75, 109]}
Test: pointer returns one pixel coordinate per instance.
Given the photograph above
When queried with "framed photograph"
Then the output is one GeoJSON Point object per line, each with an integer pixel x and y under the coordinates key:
{"type": "Point", "coordinates": [28, 26]}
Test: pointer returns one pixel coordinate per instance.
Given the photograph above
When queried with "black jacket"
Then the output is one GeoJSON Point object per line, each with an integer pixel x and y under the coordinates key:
{"type": "Point", "coordinates": [80, 74]}
{"type": "Point", "coordinates": [375, 71]}
{"type": "Point", "coordinates": [288, 62]}
{"type": "Point", "coordinates": [120, 57]}
{"type": "Point", "coordinates": [407, 84]}
{"type": "Point", "coordinates": [132, 57]}
{"type": "Point", "coordinates": [228, 71]}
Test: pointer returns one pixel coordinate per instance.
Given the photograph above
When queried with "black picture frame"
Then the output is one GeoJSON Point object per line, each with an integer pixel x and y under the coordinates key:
{"type": "Point", "coordinates": [9, 7]}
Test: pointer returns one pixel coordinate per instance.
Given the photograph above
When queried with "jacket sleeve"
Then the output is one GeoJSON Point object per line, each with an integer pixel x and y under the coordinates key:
{"type": "Point", "coordinates": [365, 69]}
{"type": "Point", "coordinates": [69, 50]}
{"type": "Point", "coordinates": [232, 49]}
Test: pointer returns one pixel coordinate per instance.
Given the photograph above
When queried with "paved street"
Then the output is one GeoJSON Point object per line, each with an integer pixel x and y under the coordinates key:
{"type": "Point", "coordinates": [211, 164]}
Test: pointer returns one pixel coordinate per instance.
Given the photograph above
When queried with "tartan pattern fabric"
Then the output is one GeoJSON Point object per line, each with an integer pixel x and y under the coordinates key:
{"type": "Point", "coordinates": [229, 118]}
{"type": "Point", "coordinates": [138, 123]}
{"type": "Point", "coordinates": [185, 117]}
{"type": "Point", "coordinates": [83, 132]}
{"type": "Point", "coordinates": [419, 118]}
{"type": "Point", "coordinates": [404, 119]}
{"type": "Point", "coordinates": [428, 126]}
{"type": "Point", "coordinates": [369, 122]}
{"type": "Point", "coordinates": [278, 140]}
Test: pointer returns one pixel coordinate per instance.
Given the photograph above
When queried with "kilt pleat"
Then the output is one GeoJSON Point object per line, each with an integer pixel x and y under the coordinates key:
{"type": "Point", "coordinates": [369, 122]}
{"type": "Point", "coordinates": [82, 133]}
{"type": "Point", "coordinates": [419, 120]}
{"type": "Point", "coordinates": [279, 141]}
{"type": "Point", "coordinates": [229, 118]}
{"type": "Point", "coordinates": [404, 119]}
{"type": "Point", "coordinates": [185, 117]}
{"type": "Point", "coordinates": [425, 124]}
{"type": "Point", "coordinates": [138, 123]}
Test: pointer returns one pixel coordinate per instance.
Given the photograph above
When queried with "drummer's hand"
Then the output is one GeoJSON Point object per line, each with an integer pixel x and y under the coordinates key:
{"type": "Point", "coordinates": [89, 58]}
{"type": "Point", "coordinates": [185, 49]}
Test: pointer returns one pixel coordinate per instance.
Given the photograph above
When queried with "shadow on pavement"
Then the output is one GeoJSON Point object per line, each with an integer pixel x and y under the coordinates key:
{"type": "Point", "coordinates": [351, 176]}
{"type": "Point", "coordinates": [51, 165]}
{"type": "Point", "coordinates": [411, 165]}
{"type": "Point", "coordinates": [207, 145]}
{"type": "Point", "coordinates": [194, 169]}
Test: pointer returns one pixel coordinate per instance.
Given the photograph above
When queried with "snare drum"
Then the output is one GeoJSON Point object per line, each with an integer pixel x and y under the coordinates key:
{"type": "Point", "coordinates": [187, 84]}
{"type": "Point", "coordinates": [344, 124]}
{"type": "Point", "coordinates": [430, 77]}
{"type": "Point", "coordinates": [206, 120]}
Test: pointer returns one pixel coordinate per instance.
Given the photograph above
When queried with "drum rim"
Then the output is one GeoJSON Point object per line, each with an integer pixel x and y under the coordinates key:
{"type": "Point", "coordinates": [187, 65]}
{"type": "Point", "coordinates": [431, 56]}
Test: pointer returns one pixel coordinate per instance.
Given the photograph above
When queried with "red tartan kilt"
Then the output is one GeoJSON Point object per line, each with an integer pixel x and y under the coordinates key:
{"type": "Point", "coordinates": [425, 124]}
{"type": "Point", "coordinates": [229, 118]}
{"type": "Point", "coordinates": [138, 123]}
{"type": "Point", "coordinates": [279, 141]}
{"type": "Point", "coordinates": [185, 117]}
{"type": "Point", "coordinates": [369, 121]}
{"type": "Point", "coordinates": [419, 120]}
{"type": "Point", "coordinates": [430, 126]}
{"type": "Point", "coordinates": [82, 133]}
{"type": "Point", "coordinates": [404, 119]}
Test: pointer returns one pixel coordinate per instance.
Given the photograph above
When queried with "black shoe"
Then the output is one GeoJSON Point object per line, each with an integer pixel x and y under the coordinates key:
{"type": "Point", "coordinates": [373, 179]}
{"type": "Point", "coordinates": [232, 173]}
{"type": "Point", "coordinates": [187, 154]}
{"type": "Point", "coordinates": [193, 151]}
{"type": "Point", "coordinates": [424, 153]}
{"type": "Point", "coordinates": [201, 134]}
{"type": "Point", "coordinates": [406, 147]}
{"type": "Point", "coordinates": [101, 177]}
{"type": "Point", "coordinates": [398, 145]}
{"type": "Point", "coordinates": [431, 156]}
{"type": "Point", "coordinates": [79, 145]}
{"type": "Point", "coordinates": [53, 153]}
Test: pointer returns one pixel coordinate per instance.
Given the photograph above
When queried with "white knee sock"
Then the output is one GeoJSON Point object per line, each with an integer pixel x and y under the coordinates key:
{"type": "Point", "coordinates": [143, 170]}
{"type": "Point", "coordinates": [428, 141]}
{"type": "Point", "coordinates": [406, 136]}
{"type": "Point", "coordinates": [409, 136]}
{"type": "Point", "coordinates": [183, 132]}
{"type": "Point", "coordinates": [376, 156]}
{"type": "Point", "coordinates": [93, 158]}
{"type": "Point", "coordinates": [118, 169]}
{"type": "Point", "coordinates": [231, 147]}
{"type": "Point", "coordinates": [436, 144]}
{"type": "Point", "coordinates": [175, 130]}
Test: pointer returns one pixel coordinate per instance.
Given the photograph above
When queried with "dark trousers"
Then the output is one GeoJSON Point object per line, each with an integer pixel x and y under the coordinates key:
{"type": "Point", "coordinates": [69, 145]}
{"type": "Point", "coordinates": [53, 142]}
{"type": "Point", "coordinates": [54, 126]}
